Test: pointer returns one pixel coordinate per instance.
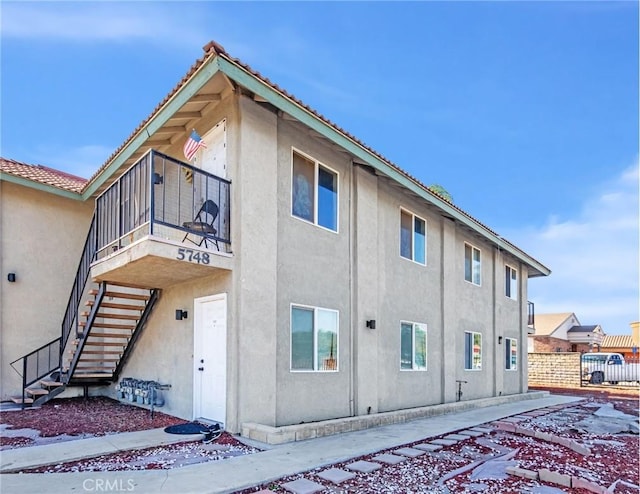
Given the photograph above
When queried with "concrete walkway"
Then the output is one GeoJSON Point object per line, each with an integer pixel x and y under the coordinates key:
{"type": "Point", "coordinates": [238, 473]}
{"type": "Point", "coordinates": [32, 457]}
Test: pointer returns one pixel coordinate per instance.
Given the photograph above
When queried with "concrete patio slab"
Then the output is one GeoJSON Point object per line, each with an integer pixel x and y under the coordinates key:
{"type": "Point", "coordinates": [456, 437]}
{"type": "Point", "coordinates": [484, 430]}
{"type": "Point", "coordinates": [471, 433]}
{"type": "Point", "coordinates": [303, 486]}
{"type": "Point", "coordinates": [389, 459]}
{"type": "Point", "coordinates": [444, 442]}
{"type": "Point", "coordinates": [428, 447]}
{"type": "Point", "coordinates": [363, 466]}
{"type": "Point", "coordinates": [409, 452]}
{"type": "Point", "coordinates": [336, 475]}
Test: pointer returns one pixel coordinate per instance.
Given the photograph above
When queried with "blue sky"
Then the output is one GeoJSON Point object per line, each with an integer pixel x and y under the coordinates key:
{"type": "Point", "coordinates": [526, 112]}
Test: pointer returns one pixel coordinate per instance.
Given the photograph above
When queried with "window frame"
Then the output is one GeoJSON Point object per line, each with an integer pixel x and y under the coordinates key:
{"type": "Point", "coordinates": [316, 184]}
{"type": "Point", "coordinates": [509, 287]}
{"type": "Point", "coordinates": [511, 354]}
{"type": "Point", "coordinates": [473, 248]}
{"type": "Point", "coordinates": [474, 366]}
{"type": "Point", "coordinates": [413, 346]}
{"type": "Point", "coordinates": [316, 363]}
{"type": "Point", "coordinates": [413, 236]}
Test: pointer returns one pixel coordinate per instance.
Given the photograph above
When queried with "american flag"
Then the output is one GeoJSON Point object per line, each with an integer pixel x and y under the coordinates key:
{"type": "Point", "coordinates": [192, 145]}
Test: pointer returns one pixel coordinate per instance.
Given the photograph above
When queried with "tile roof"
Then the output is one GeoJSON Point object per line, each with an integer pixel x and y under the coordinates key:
{"type": "Point", "coordinates": [546, 324]}
{"type": "Point", "coordinates": [617, 341]}
{"type": "Point", "coordinates": [43, 174]}
{"type": "Point", "coordinates": [213, 50]}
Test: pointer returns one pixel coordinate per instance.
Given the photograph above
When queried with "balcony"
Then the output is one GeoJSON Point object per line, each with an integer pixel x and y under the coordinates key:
{"type": "Point", "coordinates": [162, 222]}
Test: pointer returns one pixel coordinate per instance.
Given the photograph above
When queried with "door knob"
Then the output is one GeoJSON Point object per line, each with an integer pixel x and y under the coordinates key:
{"type": "Point", "coordinates": [200, 368]}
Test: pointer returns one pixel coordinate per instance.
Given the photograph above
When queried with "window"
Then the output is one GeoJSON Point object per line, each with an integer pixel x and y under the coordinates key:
{"type": "Point", "coordinates": [413, 243]}
{"type": "Point", "coordinates": [472, 351]}
{"type": "Point", "coordinates": [413, 346]}
{"type": "Point", "coordinates": [511, 354]}
{"type": "Point", "coordinates": [471, 264]}
{"type": "Point", "coordinates": [314, 192]}
{"type": "Point", "coordinates": [314, 339]}
{"type": "Point", "coordinates": [511, 283]}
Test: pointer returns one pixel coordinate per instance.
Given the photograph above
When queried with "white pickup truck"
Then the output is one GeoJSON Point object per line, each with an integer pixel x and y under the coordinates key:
{"type": "Point", "coordinates": [600, 367]}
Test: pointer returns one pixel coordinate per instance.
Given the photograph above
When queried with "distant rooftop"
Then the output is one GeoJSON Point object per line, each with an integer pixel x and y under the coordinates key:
{"type": "Point", "coordinates": [617, 341]}
{"type": "Point", "coordinates": [583, 329]}
{"type": "Point", "coordinates": [548, 323]}
{"type": "Point", "coordinates": [43, 174]}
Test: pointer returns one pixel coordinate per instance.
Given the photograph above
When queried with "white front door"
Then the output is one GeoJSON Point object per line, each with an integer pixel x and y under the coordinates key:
{"type": "Point", "coordinates": [210, 358]}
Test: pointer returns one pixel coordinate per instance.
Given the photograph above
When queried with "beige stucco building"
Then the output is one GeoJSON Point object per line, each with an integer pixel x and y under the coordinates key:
{"type": "Point", "coordinates": [286, 274]}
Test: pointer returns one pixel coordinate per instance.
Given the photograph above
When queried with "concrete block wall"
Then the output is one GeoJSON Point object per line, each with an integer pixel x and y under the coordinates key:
{"type": "Point", "coordinates": [555, 369]}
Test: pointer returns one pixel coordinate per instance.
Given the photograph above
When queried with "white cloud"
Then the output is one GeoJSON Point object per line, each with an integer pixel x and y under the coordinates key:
{"type": "Point", "coordinates": [104, 21]}
{"type": "Point", "coordinates": [593, 257]}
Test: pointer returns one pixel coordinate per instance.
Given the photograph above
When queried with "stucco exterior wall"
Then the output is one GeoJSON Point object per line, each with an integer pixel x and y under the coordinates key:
{"type": "Point", "coordinates": [407, 292]}
{"type": "Point", "coordinates": [255, 246]}
{"type": "Point", "coordinates": [313, 270]}
{"type": "Point", "coordinates": [359, 272]}
{"type": "Point", "coordinates": [474, 312]}
{"type": "Point", "coordinates": [164, 351]}
{"type": "Point", "coordinates": [510, 323]}
{"type": "Point", "coordinates": [41, 239]}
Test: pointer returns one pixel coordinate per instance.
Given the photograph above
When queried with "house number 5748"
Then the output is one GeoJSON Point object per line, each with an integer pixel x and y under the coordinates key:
{"type": "Point", "coordinates": [191, 256]}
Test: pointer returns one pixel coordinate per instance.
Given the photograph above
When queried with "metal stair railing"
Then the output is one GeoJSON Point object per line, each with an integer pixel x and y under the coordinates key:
{"type": "Point", "coordinates": [38, 364]}
{"type": "Point", "coordinates": [87, 330]}
{"type": "Point", "coordinates": [70, 320]}
{"type": "Point", "coordinates": [136, 332]}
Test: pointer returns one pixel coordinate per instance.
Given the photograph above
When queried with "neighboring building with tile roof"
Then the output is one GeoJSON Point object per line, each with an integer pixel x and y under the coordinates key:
{"type": "Point", "coordinates": [39, 175]}
{"type": "Point", "coordinates": [626, 344]}
{"type": "Point", "coordinates": [562, 332]}
{"type": "Point", "coordinates": [43, 225]}
{"type": "Point", "coordinates": [303, 276]}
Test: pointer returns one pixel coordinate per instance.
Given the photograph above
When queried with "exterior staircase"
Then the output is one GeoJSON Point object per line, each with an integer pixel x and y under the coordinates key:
{"type": "Point", "coordinates": [94, 343]}
{"type": "Point", "coordinates": [105, 336]}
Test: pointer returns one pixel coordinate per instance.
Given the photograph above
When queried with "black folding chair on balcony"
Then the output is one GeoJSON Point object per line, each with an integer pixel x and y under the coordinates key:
{"type": "Point", "coordinates": [201, 226]}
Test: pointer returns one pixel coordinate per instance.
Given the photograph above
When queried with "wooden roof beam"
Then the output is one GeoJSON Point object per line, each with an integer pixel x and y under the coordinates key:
{"type": "Point", "coordinates": [206, 98]}
{"type": "Point", "coordinates": [171, 129]}
{"type": "Point", "coordinates": [186, 114]}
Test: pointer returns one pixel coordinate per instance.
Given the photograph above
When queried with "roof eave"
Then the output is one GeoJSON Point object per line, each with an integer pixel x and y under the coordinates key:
{"type": "Point", "coordinates": [284, 103]}
{"type": "Point", "coordinates": [32, 184]}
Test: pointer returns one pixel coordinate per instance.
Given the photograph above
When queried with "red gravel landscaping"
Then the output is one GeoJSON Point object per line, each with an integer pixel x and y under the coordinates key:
{"type": "Point", "coordinates": [79, 418]}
